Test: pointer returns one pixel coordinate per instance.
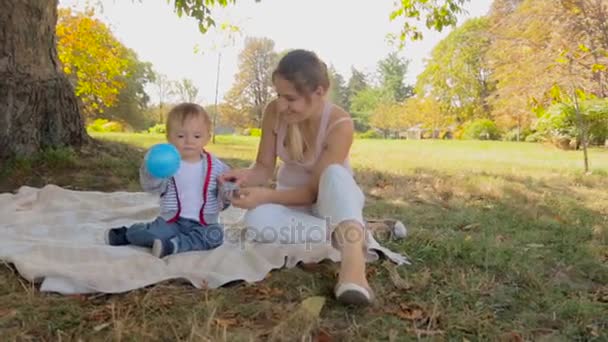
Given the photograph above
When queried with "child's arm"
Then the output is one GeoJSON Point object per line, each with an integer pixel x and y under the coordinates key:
{"type": "Point", "coordinates": [223, 189]}
{"type": "Point", "coordinates": [150, 183]}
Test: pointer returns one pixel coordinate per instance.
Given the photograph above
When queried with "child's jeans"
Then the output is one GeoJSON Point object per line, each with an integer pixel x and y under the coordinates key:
{"type": "Point", "coordinates": [185, 234]}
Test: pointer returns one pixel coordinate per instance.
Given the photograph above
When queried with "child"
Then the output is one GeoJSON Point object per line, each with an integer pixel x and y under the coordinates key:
{"type": "Point", "coordinates": [190, 201]}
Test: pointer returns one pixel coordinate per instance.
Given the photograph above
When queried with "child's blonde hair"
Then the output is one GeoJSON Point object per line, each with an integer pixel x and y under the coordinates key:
{"type": "Point", "coordinates": [185, 111]}
{"type": "Point", "coordinates": [306, 72]}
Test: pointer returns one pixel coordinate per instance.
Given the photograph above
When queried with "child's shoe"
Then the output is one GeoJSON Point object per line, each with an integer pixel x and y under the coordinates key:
{"type": "Point", "coordinates": [116, 236]}
{"type": "Point", "coordinates": [162, 248]}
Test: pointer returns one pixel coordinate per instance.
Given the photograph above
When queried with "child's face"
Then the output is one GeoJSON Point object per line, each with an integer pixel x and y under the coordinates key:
{"type": "Point", "coordinates": [189, 138]}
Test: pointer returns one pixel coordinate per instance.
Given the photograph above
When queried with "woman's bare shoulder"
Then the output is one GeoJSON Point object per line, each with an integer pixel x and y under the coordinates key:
{"type": "Point", "coordinates": [271, 114]}
{"type": "Point", "coordinates": [338, 115]}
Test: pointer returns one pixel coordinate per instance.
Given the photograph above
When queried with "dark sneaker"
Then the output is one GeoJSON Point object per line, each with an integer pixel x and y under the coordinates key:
{"type": "Point", "coordinates": [162, 248]}
{"type": "Point", "coordinates": [116, 236]}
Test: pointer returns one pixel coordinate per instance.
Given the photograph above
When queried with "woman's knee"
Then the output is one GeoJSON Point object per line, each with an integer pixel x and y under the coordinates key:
{"type": "Point", "coordinates": [335, 171]}
{"type": "Point", "coordinates": [261, 222]}
{"type": "Point", "coordinates": [263, 215]}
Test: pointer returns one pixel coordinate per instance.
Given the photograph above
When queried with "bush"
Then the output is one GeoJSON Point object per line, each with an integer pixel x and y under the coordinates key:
{"type": "Point", "coordinates": [104, 126]}
{"type": "Point", "coordinates": [252, 132]}
{"type": "Point", "coordinates": [536, 137]}
{"type": "Point", "coordinates": [560, 120]}
{"type": "Point", "coordinates": [255, 132]}
{"type": "Point", "coordinates": [512, 135]}
{"type": "Point", "coordinates": [370, 134]}
{"type": "Point", "coordinates": [158, 129]}
{"type": "Point", "coordinates": [481, 129]}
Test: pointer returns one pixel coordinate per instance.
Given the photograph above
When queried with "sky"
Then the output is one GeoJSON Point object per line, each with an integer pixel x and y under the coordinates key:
{"type": "Point", "coordinates": [343, 33]}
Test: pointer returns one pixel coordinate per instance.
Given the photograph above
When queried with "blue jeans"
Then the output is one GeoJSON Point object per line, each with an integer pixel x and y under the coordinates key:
{"type": "Point", "coordinates": [188, 235]}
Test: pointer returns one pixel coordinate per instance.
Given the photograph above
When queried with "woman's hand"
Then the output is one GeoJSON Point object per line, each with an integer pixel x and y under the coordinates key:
{"type": "Point", "coordinates": [250, 198]}
{"type": "Point", "coordinates": [238, 176]}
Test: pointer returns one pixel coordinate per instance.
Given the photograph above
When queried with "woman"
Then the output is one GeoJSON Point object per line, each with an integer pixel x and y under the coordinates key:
{"type": "Point", "coordinates": [315, 185]}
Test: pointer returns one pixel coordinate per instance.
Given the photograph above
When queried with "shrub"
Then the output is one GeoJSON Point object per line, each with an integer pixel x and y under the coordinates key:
{"type": "Point", "coordinates": [158, 129]}
{"type": "Point", "coordinates": [481, 129]}
{"type": "Point", "coordinates": [369, 134]}
{"type": "Point", "coordinates": [104, 126]}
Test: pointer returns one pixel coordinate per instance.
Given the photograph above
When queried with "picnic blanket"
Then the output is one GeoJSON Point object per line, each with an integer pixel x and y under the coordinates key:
{"type": "Point", "coordinates": [55, 236]}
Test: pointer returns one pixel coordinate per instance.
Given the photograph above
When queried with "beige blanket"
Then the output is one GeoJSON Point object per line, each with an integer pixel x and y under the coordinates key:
{"type": "Point", "coordinates": [55, 235]}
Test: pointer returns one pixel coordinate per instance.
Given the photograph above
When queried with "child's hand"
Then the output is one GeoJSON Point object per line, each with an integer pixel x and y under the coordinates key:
{"type": "Point", "coordinates": [230, 190]}
{"type": "Point", "coordinates": [238, 176]}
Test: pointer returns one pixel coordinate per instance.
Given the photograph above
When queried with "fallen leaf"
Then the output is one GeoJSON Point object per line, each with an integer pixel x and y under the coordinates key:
{"type": "Point", "coordinates": [100, 327]}
{"type": "Point", "coordinates": [471, 226]}
{"type": "Point", "coordinates": [511, 337]}
{"type": "Point", "coordinates": [602, 295]}
{"type": "Point", "coordinates": [410, 313]}
{"type": "Point", "coordinates": [323, 336]}
{"type": "Point", "coordinates": [225, 322]}
{"type": "Point", "coordinates": [7, 313]}
{"type": "Point", "coordinates": [313, 305]}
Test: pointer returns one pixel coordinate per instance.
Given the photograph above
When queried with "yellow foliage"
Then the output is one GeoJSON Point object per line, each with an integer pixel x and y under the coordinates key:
{"type": "Point", "coordinates": [95, 60]}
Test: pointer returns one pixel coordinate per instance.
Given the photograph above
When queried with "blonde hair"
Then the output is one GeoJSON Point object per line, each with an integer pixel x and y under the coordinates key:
{"type": "Point", "coordinates": [295, 142]}
{"type": "Point", "coordinates": [306, 72]}
{"type": "Point", "coordinates": [185, 111]}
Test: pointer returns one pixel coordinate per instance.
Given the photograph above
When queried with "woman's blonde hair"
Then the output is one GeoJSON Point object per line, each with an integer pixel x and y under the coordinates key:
{"type": "Point", "coordinates": [185, 111]}
{"type": "Point", "coordinates": [306, 72]}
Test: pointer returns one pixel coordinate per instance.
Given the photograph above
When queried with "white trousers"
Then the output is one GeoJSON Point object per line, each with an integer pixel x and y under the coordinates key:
{"type": "Point", "coordinates": [339, 199]}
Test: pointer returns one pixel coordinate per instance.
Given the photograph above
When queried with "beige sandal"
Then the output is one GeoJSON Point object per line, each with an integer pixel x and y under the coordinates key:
{"type": "Point", "coordinates": [353, 294]}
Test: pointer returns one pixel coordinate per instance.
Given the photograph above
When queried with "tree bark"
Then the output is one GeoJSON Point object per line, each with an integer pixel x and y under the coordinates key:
{"type": "Point", "coordinates": [38, 107]}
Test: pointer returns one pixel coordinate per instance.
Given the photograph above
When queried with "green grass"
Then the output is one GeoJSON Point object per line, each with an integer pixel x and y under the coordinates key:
{"type": "Point", "coordinates": [509, 241]}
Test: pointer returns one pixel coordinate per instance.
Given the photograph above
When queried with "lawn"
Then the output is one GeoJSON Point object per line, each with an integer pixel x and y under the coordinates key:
{"type": "Point", "coordinates": [509, 241]}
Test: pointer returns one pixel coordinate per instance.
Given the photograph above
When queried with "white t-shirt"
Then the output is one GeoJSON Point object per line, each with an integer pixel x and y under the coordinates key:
{"type": "Point", "coordinates": [189, 180]}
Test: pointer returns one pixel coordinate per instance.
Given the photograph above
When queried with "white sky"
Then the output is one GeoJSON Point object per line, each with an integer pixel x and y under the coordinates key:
{"type": "Point", "coordinates": [344, 33]}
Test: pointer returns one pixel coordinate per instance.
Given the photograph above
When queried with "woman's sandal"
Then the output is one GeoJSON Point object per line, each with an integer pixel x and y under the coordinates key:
{"type": "Point", "coordinates": [353, 294]}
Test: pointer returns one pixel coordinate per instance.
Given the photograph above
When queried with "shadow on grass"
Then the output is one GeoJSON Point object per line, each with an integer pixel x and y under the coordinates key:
{"type": "Point", "coordinates": [493, 256]}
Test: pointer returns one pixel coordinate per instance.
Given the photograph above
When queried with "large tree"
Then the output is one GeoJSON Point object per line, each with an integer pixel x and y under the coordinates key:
{"type": "Point", "coordinates": [457, 75]}
{"type": "Point", "coordinates": [132, 101]}
{"type": "Point", "coordinates": [252, 86]}
{"type": "Point", "coordinates": [337, 91]}
{"type": "Point", "coordinates": [38, 107]}
{"type": "Point", "coordinates": [392, 71]}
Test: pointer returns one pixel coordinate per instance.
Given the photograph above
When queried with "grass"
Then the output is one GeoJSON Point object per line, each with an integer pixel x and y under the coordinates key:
{"type": "Point", "coordinates": [509, 241]}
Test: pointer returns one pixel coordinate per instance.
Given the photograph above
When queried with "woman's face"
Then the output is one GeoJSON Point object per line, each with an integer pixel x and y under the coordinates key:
{"type": "Point", "coordinates": [293, 106]}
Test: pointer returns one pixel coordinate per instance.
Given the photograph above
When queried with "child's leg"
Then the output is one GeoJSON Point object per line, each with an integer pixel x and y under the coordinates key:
{"type": "Point", "coordinates": [194, 237]}
{"type": "Point", "coordinates": [190, 237]}
{"type": "Point", "coordinates": [144, 234]}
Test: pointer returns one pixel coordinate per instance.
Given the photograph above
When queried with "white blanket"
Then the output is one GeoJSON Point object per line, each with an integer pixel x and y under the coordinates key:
{"type": "Point", "coordinates": [55, 235]}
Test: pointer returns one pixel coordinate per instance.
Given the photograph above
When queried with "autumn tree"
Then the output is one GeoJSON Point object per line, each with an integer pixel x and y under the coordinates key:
{"type": "Point", "coordinates": [94, 60]}
{"type": "Point", "coordinates": [457, 75]}
{"type": "Point", "coordinates": [165, 89]}
{"type": "Point", "coordinates": [230, 116]}
{"type": "Point", "coordinates": [387, 117]}
{"type": "Point", "coordinates": [132, 101]}
{"type": "Point", "coordinates": [252, 88]}
{"type": "Point", "coordinates": [185, 90]}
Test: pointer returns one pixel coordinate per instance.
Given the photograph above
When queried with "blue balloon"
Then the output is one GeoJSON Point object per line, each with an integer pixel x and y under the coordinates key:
{"type": "Point", "coordinates": [163, 160]}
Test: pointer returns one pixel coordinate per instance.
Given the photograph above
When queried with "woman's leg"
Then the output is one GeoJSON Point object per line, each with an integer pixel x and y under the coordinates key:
{"type": "Point", "coordinates": [274, 223]}
{"type": "Point", "coordinates": [341, 201]}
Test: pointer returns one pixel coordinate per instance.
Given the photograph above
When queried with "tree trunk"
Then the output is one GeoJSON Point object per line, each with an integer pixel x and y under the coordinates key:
{"type": "Point", "coordinates": [38, 107]}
